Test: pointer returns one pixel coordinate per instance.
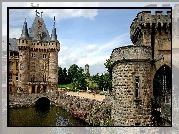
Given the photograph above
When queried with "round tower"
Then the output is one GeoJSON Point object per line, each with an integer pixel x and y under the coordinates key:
{"type": "Point", "coordinates": [132, 90]}
{"type": "Point", "coordinates": [23, 46]}
{"type": "Point", "coordinates": [87, 69]}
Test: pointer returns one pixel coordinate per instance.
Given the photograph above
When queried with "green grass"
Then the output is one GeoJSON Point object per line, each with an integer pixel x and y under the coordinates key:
{"type": "Point", "coordinates": [91, 84]}
{"type": "Point", "coordinates": [65, 86]}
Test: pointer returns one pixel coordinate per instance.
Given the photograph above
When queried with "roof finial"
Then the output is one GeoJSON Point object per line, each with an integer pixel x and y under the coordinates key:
{"type": "Point", "coordinates": [41, 13]}
{"type": "Point", "coordinates": [54, 20]}
{"type": "Point", "coordinates": [25, 17]}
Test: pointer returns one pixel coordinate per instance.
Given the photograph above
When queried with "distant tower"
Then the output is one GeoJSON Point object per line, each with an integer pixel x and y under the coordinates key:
{"type": "Point", "coordinates": [87, 69]}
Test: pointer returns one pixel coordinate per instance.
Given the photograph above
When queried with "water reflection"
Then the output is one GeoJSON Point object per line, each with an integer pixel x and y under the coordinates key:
{"type": "Point", "coordinates": [53, 116]}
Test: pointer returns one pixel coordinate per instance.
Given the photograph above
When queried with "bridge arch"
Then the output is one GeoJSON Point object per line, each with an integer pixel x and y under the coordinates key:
{"type": "Point", "coordinates": [42, 103]}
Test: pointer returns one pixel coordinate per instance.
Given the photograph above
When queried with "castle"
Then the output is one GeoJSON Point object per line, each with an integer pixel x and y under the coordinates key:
{"type": "Point", "coordinates": [135, 67]}
{"type": "Point", "coordinates": [33, 59]}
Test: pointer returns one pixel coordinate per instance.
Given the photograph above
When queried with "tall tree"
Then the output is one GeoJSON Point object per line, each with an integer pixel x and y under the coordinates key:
{"type": "Point", "coordinates": [60, 75]}
{"type": "Point", "coordinates": [107, 65]}
{"type": "Point", "coordinates": [73, 72]}
{"type": "Point", "coordinates": [65, 76]}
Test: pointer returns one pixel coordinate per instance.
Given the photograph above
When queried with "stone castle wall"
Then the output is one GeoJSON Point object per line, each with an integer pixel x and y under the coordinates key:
{"type": "Point", "coordinates": [23, 68]}
{"type": "Point", "coordinates": [53, 69]}
{"type": "Point", "coordinates": [151, 36]}
{"type": "Point", "coordinates": [141, 27]}
{"type": "Point", "coordinates": [127, 109]}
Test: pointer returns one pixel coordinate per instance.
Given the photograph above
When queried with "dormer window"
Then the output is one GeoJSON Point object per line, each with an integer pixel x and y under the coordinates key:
{"type": "Point", "coordinates": [44, 56]}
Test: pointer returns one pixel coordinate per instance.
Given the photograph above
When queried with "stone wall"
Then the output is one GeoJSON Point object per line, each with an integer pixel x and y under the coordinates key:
{"type": "Point", "coordinates": [93, 112]}
{"type": "Point", "coordinates": [128, 109]}
{"type": "Point", "coordinates": [131, 52]}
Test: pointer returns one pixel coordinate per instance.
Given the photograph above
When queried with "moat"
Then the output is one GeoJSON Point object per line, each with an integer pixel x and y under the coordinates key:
{"type": "Point", "coordinates": [55, 116]}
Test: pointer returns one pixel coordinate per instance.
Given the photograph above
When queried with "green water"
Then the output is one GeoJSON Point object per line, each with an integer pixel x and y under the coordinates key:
{"type": "Point", "coordinates": [55, 116]}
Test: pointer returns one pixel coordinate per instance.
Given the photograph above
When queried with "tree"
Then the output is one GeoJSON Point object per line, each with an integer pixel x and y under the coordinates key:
{"type": "Point", "coordinates": [81, 82]}
{"type": "Point", "coordinates": [108, 76]}
{"type": "Point", "coordinates": [65, 76]}
{"type": "Point", "coordinates": [107, 65]}
{"type": "Point", "coordinates": [73, 72]}
{"type": "Point", "coordinates": [60, 75]}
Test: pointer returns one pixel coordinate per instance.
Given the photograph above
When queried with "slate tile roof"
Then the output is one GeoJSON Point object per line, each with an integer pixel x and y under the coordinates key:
{"type": "Point", "coordinates": [13, 45]}
{"type": "Point", "coordinates": [34, 30]}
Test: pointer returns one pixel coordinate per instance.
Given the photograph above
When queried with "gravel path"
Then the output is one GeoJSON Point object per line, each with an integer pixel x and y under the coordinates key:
{"type": "Point", "coordinates": [87, 95]}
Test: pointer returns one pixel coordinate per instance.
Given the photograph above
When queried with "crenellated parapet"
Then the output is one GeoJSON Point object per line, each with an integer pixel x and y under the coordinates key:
{"type": "Point", "coordinates": [142, 26]}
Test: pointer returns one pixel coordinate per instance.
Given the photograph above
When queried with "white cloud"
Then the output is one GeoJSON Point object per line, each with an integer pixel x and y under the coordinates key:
{"type": "Point", "coordinates": [62, 13]}
{"type": "Point", "coordinates": [15, 32]}
{"type": "Point", "coordinates": [92, 54]}
{"type": "Point", "coordinates": [92, 48]}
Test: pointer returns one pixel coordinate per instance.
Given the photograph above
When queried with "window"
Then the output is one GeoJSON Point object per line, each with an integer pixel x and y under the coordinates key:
{"type": "Point", "coordinates": [33, 55]}
{"type": "Point", "coordinates": [16, 65]}
{"type": "Point", "coordinates": [44, 56]}
{"type": "Point", "coordinates": [10, 77]}
{"type": "Point", "coordinates": [11, 53]}
{"type": "Point", "coordinates": [10, 65]}
{"type": "Point", "coordinates": [33, 66]}
{"type": "Point", "coordinates": [20, 78]}
{"type": "Point", "coordinates": [44, 77]}
{"type": "Point", "coordinates": [32, 77]}
{"type": "Point", "coordinates": [137, 87]}
{"type": "Point", "coordinates": [44, 66]}
{"type": "Point", "coordinates": [22, 41]}
{"type": "Point", "coordinates": [26, 42]}
{"type": "Point", "coordinates": [16, 77]}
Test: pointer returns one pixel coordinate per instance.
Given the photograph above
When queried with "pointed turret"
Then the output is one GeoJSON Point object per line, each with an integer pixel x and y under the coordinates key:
{"type": "Point", "coordinates": [25, 34]}
{"type": "Point", "coordinates": [53, 35]}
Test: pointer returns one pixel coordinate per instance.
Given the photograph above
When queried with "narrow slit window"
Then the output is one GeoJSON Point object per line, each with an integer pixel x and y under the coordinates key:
{"type": "Point", "coordinates": [137, 87]}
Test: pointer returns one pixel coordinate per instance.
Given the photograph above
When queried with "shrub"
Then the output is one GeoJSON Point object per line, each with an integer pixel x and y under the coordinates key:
{"type": "Point", "coordinates": [102, 93]}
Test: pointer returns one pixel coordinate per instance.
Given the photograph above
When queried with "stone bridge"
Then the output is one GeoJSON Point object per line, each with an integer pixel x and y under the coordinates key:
{"type": "Point", "coordinates": [28, 100]}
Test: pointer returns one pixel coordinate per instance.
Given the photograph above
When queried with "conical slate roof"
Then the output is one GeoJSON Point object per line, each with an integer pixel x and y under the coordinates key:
{"type": "Point", "coordinates": [34, 30]}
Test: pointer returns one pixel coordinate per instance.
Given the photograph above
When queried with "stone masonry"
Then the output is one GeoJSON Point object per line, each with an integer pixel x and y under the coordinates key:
{"type": "Point", "coordinates": [38, 58]}
{"type": "Point", "coordinates": [134, 67]}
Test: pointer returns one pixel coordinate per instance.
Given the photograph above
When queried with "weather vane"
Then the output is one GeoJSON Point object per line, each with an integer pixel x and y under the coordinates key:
{"type": "Point", "coordinates": [37, 13]}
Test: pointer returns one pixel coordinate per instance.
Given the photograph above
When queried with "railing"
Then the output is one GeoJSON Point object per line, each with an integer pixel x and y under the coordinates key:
{"type": "Point", "coordinates": [13, 57]}
{"type": "Point", "coordinates": [38, 82]}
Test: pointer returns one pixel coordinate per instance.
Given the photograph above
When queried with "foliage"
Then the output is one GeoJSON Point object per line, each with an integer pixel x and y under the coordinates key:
{"type": "Point", "coordinates": [102, 93]}
{"type": "Point", "coordinates": [107, 65]}
{"type": "Point", "coordinates": [62, 76]}
{"type": "Point", "coordinates": [108, 123]}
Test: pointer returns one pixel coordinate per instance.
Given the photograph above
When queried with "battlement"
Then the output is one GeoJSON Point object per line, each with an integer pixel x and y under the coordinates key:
{"type": "Point", "coordinates": [145, 21]}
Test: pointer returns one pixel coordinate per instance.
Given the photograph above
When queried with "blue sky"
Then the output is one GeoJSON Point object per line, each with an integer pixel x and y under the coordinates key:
{"type": "Point", "coordinates": [86, 36]}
